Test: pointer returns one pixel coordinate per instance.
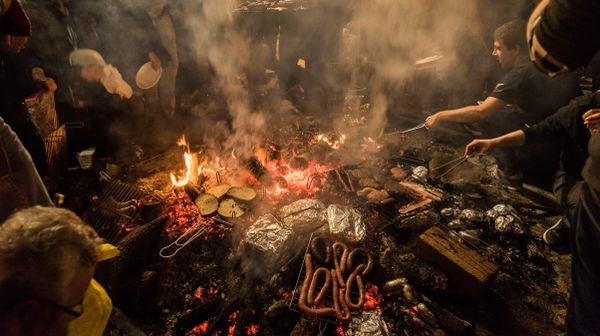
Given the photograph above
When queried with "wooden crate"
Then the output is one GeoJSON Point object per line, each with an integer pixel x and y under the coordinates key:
{"type": "Point", "coordinates": [465, 268]}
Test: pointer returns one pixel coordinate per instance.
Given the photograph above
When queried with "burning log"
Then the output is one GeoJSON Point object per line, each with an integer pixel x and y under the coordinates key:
{"type": "Point", "coordinates": [258, 171]}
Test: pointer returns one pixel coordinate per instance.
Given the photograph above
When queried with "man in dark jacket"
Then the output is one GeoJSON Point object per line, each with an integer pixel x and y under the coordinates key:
{"type": "Point", "coordinates": [19, 79]}
{"type": "Point", "coordinates": [523, 86]}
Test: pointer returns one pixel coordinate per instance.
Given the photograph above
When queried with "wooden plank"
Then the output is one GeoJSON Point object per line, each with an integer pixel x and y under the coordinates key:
{"type": "Point", "coordinates": [465, 268]}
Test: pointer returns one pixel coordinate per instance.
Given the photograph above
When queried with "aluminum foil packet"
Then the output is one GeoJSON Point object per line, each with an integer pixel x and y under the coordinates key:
{"type": "Point", "coordinates": [472, 216]}
{"type": "Point", "coordinates": [306, 220]}
{"type": "Point", "coordinates": [420, 173]}
{"type": "Point", "coordinates": [300, 205]}
{"type": "Point", "coordinates": [504, 209]}
{"type": "Point", "coordinates": [369, 323]}
{"type": "Point", "coordinates": [450, 213]}
{"type": "Point", "coordinates": [509, 225]}
{"type": "Point", "coordinates": [346, 222]}
{"type": "Point", "coordinates": [268, 234]}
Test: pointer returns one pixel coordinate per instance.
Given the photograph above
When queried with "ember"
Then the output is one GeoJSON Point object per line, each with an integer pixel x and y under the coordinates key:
{"type": "Point", "coordinates": [373, 300]}
{"type": "Point", "coordinates": [299, 182]}
{"type": "Point", "coordinates": [252, 329]}
{"type": "Point", "coordinates": [199, 329]}
{"type": "Point", "coordinates": [204, 294]}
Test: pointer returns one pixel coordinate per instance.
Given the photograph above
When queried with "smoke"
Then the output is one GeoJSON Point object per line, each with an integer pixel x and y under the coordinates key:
{"type": "Point", "coordinates": [346, 45]}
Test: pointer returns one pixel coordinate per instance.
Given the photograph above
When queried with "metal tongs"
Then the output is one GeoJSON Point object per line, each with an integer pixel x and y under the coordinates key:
{"type": "Point", "coordinates": [408, 130]}
{"type": "Point", "coordinates": [188, 236]}
{"type": "Point", "coordinates": [453, 165]}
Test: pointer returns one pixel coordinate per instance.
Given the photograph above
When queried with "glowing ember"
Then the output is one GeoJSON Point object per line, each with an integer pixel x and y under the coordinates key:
{"type": "Point", "coordinates": [252, 329]}
{"type": "Point", "coordinates": [372, 298]}
{"type": "Point", "coordinates": [184, 213]}
{"type": "Point", "coordinates": [339, 330]}
{"type": "Point", "coordinates": [334, 144]}
{"type": "Point", "coordinates": [204, 294]}
{"type": "Point", "coordinates": [231, 319]}
{"type": "Point", "coordinates": [295, 181]}
{"type": "Point", "coordinates": [284, 293]}
{"type": "Point", "coordinates": [199, 329]}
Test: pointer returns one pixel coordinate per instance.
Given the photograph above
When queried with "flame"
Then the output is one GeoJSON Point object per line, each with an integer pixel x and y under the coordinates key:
{"type": "Point", "coordinates": [182, 142]}
{"type": "Point", "coordinates": [188, 166]}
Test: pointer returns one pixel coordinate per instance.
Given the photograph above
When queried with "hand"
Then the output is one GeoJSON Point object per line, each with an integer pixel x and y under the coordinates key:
{"type": "Point", "coordinates": [39, 78]}
{"type": "Point", "coordinates": [591, 120]}
{"type": "Point", "coordinates": [479, 146]}
{"type": "Point", "coordinates": [433, 122]}
{"type": "Point", "coordinates": [153, 58]}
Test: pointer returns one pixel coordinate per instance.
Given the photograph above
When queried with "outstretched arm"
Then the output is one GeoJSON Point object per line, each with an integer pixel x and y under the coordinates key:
{"type": "Point", "coordinates": [467, 114]}
{"type": "Point", "coordinates": [482, 146]}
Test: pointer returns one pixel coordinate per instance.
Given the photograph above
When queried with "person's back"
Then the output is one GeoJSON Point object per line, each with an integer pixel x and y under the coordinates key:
{"type": "Point", "coordinates": [536, 95]}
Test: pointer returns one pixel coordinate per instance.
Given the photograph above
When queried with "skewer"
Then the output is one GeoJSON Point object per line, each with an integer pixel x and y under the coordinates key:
{"type": "Point", "coordinates": [337, 172]}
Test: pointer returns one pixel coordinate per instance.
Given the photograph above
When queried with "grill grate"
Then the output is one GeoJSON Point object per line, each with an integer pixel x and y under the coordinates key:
{"type": "Point", "coordinates": [109, 215]}
{"type": "Point", "coordinates": [55, 144]}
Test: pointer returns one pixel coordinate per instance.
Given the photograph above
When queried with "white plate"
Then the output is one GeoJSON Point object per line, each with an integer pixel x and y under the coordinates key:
{"type": "Point", "coordinates": [146, 77]}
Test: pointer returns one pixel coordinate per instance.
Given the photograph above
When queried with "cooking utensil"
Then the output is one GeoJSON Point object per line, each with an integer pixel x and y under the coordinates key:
{"type": "Point", "coordinates": [453, 165]}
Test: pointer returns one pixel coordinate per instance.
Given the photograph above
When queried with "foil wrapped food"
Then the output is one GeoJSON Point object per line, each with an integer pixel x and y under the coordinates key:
{"type": "Point", "coordinates": [306, 220]}
{"type": "Point", "coordinates": [345, 222]}
{"type": "Point", "coordinates": [472, 216]}
{"type": "Point", "coordinates": [268, 234]}
{"type": "Point", "coordinates": [369, 323]}
{"type": "Point", "coordinates": [420, 173]}
{"type": "Point", "coordinates": [300, 205]}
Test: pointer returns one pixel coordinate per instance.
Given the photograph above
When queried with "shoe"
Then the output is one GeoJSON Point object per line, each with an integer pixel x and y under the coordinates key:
{"type": "Point", "coordinates": [557, 236]}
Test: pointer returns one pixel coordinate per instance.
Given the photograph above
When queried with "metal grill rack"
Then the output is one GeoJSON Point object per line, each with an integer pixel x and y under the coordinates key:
{"type": "Point", "coordinates": [110, 223]}
{"type": "Point", "coordinates": [55, 144]}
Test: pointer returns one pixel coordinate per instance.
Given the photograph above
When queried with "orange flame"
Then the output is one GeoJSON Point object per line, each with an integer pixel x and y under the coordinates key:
{"type": "Point", "coordinates": [188, 172]}
{"type": "Point", "coordinates": [192, 169]}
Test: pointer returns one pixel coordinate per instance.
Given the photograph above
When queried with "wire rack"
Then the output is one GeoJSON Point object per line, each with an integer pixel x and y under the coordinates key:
{"type": "Point", "coordinates": [55, 144]}
{"type": "Point", "coordinates": [111, 224]}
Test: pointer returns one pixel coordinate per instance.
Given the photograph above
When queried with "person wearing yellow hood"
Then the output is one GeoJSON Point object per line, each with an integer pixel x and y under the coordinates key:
{"type": "Point", "coordinates": [47, 260]}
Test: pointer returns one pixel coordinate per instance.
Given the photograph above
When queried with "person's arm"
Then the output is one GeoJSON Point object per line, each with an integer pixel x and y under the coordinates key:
{"type": "Point", "coordinates": [482, 146]}
{"type": "Point", "coordinates": [467, 114]}
{"type": "Point", "coordinates": [591, 120]}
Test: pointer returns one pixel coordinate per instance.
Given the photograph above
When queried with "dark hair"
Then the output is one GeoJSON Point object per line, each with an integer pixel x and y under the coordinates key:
{"type": "Point", "coordinates": [512, 34]}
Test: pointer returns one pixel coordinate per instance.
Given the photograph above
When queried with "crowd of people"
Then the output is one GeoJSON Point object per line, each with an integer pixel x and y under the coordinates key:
{"type": "Point", "coordinates": [48, 255]}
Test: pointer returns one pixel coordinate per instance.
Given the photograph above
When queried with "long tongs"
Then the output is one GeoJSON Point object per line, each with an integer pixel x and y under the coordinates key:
{"type": "Point", "coordinates": [408, 130]}
{"type": "Point", "coordinates": [187, 237]}
{"type": "Point", "coordinates": [453, 164]}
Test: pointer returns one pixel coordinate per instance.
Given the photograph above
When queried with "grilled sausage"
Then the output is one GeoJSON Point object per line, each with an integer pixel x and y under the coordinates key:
{"type": "Point", "coordinates": [318, 246]}
{"type": "Point", "coordinates": [361, 289]}
{"type": "Point", "coordinates": [303, 293]}
{"type": "Point", "coordinates": [341, 260]}
{"type": "Point", "coordinates": [352, 258]}
{"type": "Point", "coordinates": [310, 299]}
